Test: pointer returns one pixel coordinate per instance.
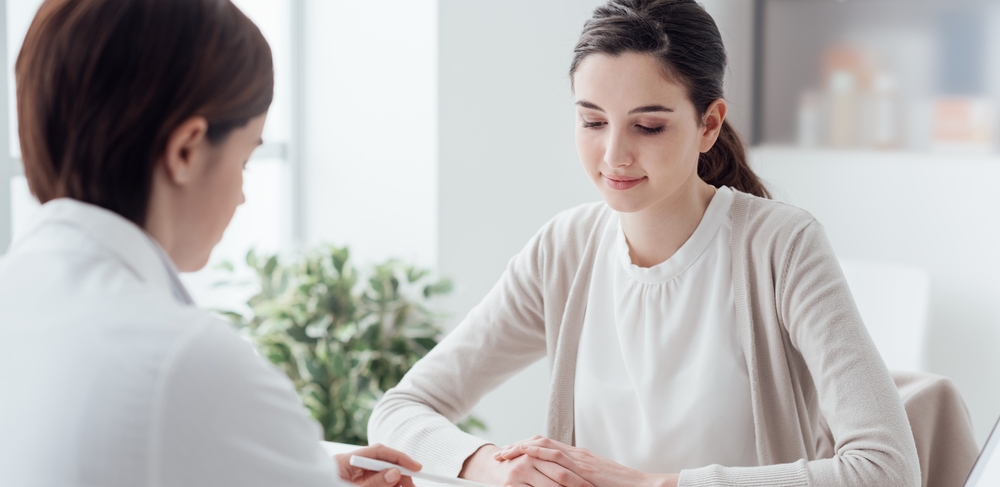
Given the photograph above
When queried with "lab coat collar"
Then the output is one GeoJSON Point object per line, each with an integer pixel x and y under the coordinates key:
{"type": "Point", "coordinates": [122, 238]}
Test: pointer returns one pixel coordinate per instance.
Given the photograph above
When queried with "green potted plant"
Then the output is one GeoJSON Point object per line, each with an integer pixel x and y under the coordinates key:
{"type": "Point", "coordinates": [344, 337]}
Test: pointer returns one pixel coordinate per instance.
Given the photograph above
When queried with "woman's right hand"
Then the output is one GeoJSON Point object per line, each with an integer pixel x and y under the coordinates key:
{"type": "Point", "coordinates": [367, 478]}
{"type": "Point", "coordinates": [523, 471]}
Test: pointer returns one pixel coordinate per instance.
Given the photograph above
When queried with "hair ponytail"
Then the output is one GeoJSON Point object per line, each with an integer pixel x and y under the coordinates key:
{"type": "Point", "coordinates": [686, 41]}
{"type": "Point", "coordinates": [726, 164]}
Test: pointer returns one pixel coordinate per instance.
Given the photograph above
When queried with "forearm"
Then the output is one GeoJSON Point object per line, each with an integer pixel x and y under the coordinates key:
{"type": "Point", "coordinates": [418, 430]}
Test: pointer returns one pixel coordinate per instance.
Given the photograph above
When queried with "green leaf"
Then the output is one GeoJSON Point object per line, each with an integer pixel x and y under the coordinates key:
{"type": "Point", "coordinates": [342, 335]}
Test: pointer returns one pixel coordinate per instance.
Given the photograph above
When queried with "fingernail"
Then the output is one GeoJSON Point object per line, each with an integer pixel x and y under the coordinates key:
{"type": "Point", "coordinates": [392, 476]}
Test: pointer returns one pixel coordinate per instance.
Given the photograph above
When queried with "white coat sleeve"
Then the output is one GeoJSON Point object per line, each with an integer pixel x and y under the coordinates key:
{"type": "Point", "coordinates": [228, 417]}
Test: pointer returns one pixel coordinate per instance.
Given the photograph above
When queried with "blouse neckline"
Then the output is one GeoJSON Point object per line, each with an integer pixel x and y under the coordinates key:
{"type": "Point", "coordinates": [717, 214]}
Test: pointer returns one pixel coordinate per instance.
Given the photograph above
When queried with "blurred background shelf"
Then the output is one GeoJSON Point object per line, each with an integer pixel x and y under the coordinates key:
{"type": "Point", "coordinates": [918, 160]}
{"type": "Point", "coordinates": [906, 74]}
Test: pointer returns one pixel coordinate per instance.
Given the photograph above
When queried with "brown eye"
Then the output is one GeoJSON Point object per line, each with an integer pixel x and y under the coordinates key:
{"type": "Point", "coordinates": [592, 125]}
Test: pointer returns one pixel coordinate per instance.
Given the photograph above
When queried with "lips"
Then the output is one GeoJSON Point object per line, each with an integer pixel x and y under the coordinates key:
{"type": "Point", "coordinates": [622, 183]}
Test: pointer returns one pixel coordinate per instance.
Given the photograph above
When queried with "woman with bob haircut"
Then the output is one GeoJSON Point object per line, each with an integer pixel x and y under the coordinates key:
{"type": "Point", "coordinates": [136, 119]}
{"type": "Point", "coordinates": [697, 332]}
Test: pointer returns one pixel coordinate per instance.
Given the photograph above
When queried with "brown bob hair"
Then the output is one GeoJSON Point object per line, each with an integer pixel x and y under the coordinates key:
{"type": "Point", "coordinates": [686, 41]}
{"type": "Point", "coordinates": [101, 84]}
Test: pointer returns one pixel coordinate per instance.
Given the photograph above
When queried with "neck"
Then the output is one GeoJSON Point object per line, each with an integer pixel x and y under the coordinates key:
{"type": "Point", "coordinates": [161, 219]}
{"type": "Point", "coordinates": [655, 234]}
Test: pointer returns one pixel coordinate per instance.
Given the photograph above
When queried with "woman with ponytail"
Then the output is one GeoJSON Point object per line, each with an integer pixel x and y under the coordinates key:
{"type": "Point", "coordinates": [697, 332]}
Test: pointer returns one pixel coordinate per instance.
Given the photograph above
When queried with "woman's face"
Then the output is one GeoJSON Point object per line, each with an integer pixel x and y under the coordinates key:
{"type": "Point", "coordinates": [214, 193]}
{"type": "Point", "coordinates": [638, 135]}
{"type": "Point", "coordinates": [223, 182]}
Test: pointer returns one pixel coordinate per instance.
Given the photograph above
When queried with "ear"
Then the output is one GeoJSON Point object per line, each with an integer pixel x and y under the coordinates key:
{"type": "Point", "coordinates": [712, 124]}
{"type": "Point", "coordinates": [183, 144]}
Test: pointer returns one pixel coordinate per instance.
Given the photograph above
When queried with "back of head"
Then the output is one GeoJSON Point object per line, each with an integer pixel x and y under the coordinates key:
{"type": "Point", "coordinates": [686, 41]}
{"type": "Point", "coordinates": [102, 83]}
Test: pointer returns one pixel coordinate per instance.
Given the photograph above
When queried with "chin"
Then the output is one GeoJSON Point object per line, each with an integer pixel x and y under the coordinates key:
{"type": "Point", "coordinates": [623, 203]}
{"type": "Point", "coordinates": [194, 264]}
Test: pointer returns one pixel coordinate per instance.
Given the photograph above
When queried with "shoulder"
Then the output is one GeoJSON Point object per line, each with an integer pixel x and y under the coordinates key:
{"type": "Point", "coordinates": [575, 225]}
{"type": "Point", "coordinates": [759, 220]}
{"type": "Point", "coordinates": [561, 245]}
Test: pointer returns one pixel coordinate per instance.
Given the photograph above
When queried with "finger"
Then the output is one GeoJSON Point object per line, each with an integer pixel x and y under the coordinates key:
{"type": "Point", "coordinates": [538, 479]}
{"type": "Point", "coordinates": [406, 482]}
{"type": "Point", "coordinates": [551, 455]}
{"type": "Point", "coordinates": [514, 448]}
{"type": "Point", "coordinates": [386, 454]}
{"type": "Point", "coordinates": [560, 474]}
{"type": "Point", "coordinates": [347, 471]}
{"type": "Point", "coordinates": [523, 471]}
{"type": "Point", "coordinates": [387, 478]}
{"type": "Point", "coordinates": [508, 454]}
{"type": "Point", "coordinates": [518, 448]}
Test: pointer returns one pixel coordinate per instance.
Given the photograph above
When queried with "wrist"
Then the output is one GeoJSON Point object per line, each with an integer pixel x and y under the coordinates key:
{"type": "Point", "coordinates": [480, 465]}
{"type": "Point", "coordinates": [664, 480]}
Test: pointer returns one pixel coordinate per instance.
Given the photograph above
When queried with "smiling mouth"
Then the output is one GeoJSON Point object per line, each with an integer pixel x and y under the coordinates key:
{"type": "Point", "coordinates": [622, 183]}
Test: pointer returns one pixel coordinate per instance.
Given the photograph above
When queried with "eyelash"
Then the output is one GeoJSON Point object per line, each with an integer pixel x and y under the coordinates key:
{"type": "Point", "coordinates": [650, 130]}
{"type": "Point", "coordinates": [643, 129]}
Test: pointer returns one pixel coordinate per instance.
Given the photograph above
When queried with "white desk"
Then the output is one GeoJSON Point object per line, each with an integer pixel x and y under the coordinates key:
{"type": "Point", "coordinates": [337, 448]}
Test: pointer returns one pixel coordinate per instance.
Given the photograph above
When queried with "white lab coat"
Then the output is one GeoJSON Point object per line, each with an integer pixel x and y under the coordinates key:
{"type": "Point", "coordinates": [107, 376]}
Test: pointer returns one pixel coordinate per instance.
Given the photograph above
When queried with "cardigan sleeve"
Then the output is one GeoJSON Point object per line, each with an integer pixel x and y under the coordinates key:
{"type": "Point", "coordinates": [873, 444]}
{"type": "Point", "coordinates": [502, 335]}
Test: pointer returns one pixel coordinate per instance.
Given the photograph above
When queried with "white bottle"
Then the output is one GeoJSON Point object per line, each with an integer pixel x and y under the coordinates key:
{"type": "Point", "coordinates": [885, 114]}
{"type": "Point", "coordinates": [843, 109]}
{"type": "Point", "coordinates": [810, 119]}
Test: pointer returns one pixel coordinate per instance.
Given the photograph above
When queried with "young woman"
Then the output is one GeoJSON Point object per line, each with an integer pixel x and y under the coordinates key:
{"type": "Point", "coordinates": [136, 119]}
{"type": "Point", "coordinates": [697, 332]}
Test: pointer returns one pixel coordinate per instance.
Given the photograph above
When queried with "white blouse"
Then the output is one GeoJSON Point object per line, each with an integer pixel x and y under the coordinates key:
{"type": "Point", "coordinates": [661, 380]}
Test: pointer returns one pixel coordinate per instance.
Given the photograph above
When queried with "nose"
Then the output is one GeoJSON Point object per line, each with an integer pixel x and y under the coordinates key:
{"type": "Point", "coordinates": [617, 153]}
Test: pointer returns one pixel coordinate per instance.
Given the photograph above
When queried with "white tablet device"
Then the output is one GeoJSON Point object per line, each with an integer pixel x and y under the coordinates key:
{"type": "Point", "coordinates": [378, 466]}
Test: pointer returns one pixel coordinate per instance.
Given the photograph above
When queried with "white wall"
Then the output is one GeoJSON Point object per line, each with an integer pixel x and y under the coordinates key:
{"type": "Point", "coordinates": [507, 157]}
{"type": "Point", "coordinates": [736, 23]}
{"type": "Point", "coordinates": [370, 155]}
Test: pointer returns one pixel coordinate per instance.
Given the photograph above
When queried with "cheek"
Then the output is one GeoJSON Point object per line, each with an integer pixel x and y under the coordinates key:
{"type": "Point", "coordinates": [669, 153]}
{"type": "Point", "coordinates": [589, 148]}
{"type": "Point", "coordinates": [227, 195]}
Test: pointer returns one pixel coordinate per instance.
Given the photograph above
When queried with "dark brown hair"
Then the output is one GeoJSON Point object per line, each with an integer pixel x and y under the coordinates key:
{"type": "Point", "coordinates": [684, 37]}
{"type": "Point", "coordinates": [101, 84]}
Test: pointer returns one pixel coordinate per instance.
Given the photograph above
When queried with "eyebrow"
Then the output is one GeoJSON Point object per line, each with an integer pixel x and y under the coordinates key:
{"type": "Point", "coordinates": [645, 109]}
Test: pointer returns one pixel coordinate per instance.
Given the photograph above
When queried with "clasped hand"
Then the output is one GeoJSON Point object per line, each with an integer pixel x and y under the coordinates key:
{"type": "Point", "coordinates": [542, 462]}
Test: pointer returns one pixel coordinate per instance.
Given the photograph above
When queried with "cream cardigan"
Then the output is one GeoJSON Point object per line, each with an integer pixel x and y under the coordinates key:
{"type": "Point", "coordinates": [808, 354]}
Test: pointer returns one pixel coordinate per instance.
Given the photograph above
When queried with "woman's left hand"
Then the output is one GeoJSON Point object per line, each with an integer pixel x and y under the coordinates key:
{"type": "Point", "coordinates": [592, 468]}
{"type": "Point", "coordinates": [368, 478]}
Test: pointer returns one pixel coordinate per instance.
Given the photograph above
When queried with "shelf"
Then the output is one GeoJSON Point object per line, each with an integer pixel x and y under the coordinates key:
{"type": "Point", "coordinates": [783, 154]}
